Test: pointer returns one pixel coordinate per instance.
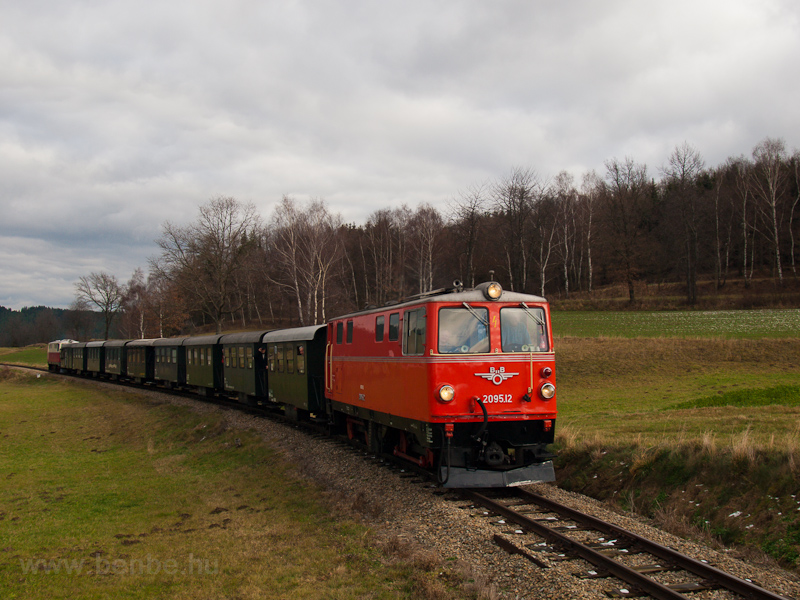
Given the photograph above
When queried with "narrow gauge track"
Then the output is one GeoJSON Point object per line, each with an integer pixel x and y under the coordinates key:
{"type": "Point", "coordinates": [562, 529]}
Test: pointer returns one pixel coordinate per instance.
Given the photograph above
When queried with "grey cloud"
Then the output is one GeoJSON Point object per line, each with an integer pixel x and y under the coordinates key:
{"type": "Point", "coordinates": [115, 117]}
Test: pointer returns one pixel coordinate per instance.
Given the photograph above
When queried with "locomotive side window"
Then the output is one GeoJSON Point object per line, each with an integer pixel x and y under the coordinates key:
{"type": "Point", "coordinates": [394, 327]}
{"type": "Point", "coordinates": [523, 330]}
{"type": "Point", "coordinates": [379, 328]}
{"type": "Point", "coordinates": [349, 332]}
{"type": "Point", "coordinates": [463, 331]}
{"type": "Point", "coordinates": [339, 331]}
{"type": "Point", "coordinates": [414, 338]}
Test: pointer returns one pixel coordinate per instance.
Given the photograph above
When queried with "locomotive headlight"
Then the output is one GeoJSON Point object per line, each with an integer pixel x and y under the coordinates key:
{"type": "Point", "coordinates": [493, 291]}
{"type": "Point", "coordinates": [547, 391]}
{"type": "Point", "coordinates": [446, 393]}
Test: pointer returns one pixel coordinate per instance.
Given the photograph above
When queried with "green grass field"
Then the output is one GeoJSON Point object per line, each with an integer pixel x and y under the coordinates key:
{"type": "Point", "coordinates": [107, 494]}
{"type": "Point", "coordinates": [725, 324]}
{"type": "Point", "coordinates": [31, 355]}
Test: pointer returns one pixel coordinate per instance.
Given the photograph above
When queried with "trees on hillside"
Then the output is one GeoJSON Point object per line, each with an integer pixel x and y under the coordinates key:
{"type": "Point", "coordinates": [551, 237]}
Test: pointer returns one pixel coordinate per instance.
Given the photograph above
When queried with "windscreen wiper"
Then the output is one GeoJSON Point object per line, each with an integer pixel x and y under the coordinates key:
{"type": "Point", "coordinates": [532, 314]}
{"type": "Point", "coordinates": [477, 315]}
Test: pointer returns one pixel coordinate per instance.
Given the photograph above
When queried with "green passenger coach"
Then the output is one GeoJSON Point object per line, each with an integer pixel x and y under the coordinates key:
{"type": "Point", "coordinates": [296, 360]}
{"type": "Point", "coordinates": [204, 363]}
{"type": "Point", "coordinates": [245, 365]}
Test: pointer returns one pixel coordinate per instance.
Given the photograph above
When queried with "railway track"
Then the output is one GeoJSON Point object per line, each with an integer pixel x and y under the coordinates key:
{"type": "Point", "coordinates": [548, 531]}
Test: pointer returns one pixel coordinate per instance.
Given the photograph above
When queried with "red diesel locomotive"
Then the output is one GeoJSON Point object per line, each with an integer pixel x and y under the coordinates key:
{"type": "Point", "coordinates": [460, 381]}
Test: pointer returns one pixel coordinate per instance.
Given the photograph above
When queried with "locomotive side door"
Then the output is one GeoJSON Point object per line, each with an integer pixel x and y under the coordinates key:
{"type": "Point", "coordinates": [333, 379]}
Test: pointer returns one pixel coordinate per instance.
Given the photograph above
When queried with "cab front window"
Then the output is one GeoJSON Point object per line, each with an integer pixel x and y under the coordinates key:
{"type": "Point", "coordinates": [523, 330]}
{"type": "Point", "coordinates": [463, 331]}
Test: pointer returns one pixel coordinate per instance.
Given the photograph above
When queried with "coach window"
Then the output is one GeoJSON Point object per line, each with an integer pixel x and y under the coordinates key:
{"type": "Point", "coordinates": [394, 327]}
{"type": "Point", "coordinates": [414, 337]}
{"type": "Point", "coordinates": [271, 357]}
{"type": "Point", "coordinates": [241, 357]}
{"type": "Point", "coordinates": [339, 330]}
{"type": "Point", "coordinates": [289, 358]}
{"type": "Point", "coordinates": [349, 332]}
{"type": "Point", "coordinates": [249, 357]}
{"type": "Point", "coordinates": [523, 330]}
{"type": "Point", "coordinates": [280, 358]}
{"type": "Point", "coordinates": [301, 358]}
{"type": "Point", "coordinates": [379, 328]}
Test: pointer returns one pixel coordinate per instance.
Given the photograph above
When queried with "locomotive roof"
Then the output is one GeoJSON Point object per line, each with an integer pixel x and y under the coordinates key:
{"type": "Point", "coordinates": [294, 334]}
{"type": "Point", "coordinates": [469, 296]}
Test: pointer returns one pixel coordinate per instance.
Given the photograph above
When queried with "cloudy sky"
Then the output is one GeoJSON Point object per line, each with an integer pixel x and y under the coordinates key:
{"type": "Point", "coordinates": [118, 115]}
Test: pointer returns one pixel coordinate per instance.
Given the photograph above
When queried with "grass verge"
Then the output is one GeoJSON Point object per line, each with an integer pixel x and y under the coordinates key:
{"type": "Point", "coordinates": [110, 494]}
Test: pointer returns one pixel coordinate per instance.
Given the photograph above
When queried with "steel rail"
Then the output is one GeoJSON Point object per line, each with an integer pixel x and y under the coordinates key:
{"type": "Point", "coordinates": [632, 577]}
{"type": "Point", "coordinates": [696, 567]}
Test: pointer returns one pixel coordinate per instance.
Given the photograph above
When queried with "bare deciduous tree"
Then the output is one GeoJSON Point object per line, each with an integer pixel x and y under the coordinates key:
{"type": "Point", "coordinates": [681, 173]}
{"type": "Point", "coordinates": [624, 200]}
{"type": "Point", "coordinates": [103, 291]}
{"type": "Point", "coordinates": [424, 231]}
{"type": "Point", "coordinates": [205, 258]}
{"type": "Point", "coordinates": [467, 213]}
{"type": "Point", "coordinates": [767, 182]}
{"type": "Point", "coordinates": [307, 249]}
